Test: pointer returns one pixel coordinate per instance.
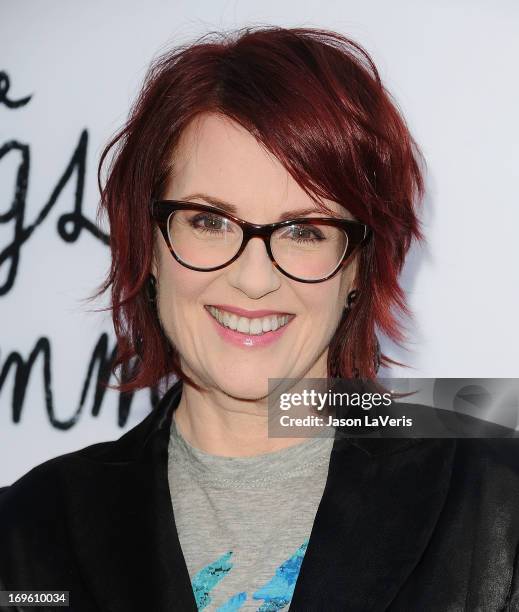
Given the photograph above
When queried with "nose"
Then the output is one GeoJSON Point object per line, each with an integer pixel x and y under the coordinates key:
{"type": "Point", "coordinates": [253, 272]}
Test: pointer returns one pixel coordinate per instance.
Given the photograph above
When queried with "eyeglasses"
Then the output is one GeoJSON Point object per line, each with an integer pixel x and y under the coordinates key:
{"type": "Point", "coordinates": [307, 249]}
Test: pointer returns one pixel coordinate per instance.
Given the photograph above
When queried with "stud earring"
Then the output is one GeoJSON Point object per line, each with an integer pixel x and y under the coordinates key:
{"type": "Point", "coordinates": [151, 288]}
{"type": "Point", "coordinates": [352, 296]}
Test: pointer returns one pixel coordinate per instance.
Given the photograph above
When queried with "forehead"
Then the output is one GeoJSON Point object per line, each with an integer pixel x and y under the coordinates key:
{"type": "Point", "coordinates": [217, 156]}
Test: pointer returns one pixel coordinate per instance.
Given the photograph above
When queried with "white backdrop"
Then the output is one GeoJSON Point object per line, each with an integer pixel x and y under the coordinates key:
{"type": "Point", "coordinates": [73, 70]}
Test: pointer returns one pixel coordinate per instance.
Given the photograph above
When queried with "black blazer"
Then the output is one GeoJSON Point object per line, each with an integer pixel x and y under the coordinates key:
{"type": "Point", "coordinates": [403, 525]}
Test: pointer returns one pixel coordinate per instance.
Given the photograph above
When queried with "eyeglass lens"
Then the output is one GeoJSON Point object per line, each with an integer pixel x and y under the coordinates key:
{"type": "Point", "coordinates": [206, 240]}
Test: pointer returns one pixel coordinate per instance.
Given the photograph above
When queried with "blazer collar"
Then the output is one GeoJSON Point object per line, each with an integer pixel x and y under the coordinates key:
{"type": "Point", "coordinates": [381, 501]}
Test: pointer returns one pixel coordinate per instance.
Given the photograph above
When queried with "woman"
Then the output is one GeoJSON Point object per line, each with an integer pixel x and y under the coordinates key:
{"type": "Point", "coordinates": [262, 199]}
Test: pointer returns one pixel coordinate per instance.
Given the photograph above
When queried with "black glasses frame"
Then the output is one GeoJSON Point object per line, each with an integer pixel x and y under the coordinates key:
{"type": "Point", "coordinates": [358, 233]}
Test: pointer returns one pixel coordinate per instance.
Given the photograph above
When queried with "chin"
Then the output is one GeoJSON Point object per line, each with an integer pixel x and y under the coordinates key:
{"type": "Point", "coordinates": [245, 388]}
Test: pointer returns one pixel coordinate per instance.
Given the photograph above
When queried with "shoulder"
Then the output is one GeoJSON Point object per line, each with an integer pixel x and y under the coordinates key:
{"type": "Point", "coordinates": [39, 492]}
{"type": "Point", "coordinates": [37, 510]}
{"type": "Point", "coordinates": [36, 501]}
{"type": "Point", "coordinates": [35, 542]}
{"type": "Point", "coordinates": [485, 474]}
{"type": "Point", "coordinates": [493, 453]}
{"type": "Point", "coordinates": [33, 526]}
{"type": "Point", "coordinates": [55, 508]}
{"type": "Point", "coordinates": [490, 453]}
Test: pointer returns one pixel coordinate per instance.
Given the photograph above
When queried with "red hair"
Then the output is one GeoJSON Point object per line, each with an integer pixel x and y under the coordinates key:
{"type": "Point", "coordinates": [315, 100]}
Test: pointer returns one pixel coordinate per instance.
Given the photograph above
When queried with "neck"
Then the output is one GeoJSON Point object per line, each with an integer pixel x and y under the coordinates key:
{"type": "Point", "coordinates": [218, 424]}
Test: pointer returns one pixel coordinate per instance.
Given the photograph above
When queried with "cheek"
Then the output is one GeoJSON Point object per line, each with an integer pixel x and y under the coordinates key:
{"type": "Point", "coordinates": [323, 307]}
{"type": "Point", "coordinates": [176, 282]}
{"type": "Point", "coordinates": [179, 296]}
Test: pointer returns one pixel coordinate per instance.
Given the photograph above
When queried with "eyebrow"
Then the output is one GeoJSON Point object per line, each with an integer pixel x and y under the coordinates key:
{"type": "Point", "coordinates": [231, 209]}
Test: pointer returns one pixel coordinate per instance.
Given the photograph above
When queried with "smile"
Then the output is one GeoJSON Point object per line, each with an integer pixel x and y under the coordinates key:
{"type": "Point", "coordinates": [244, 325]}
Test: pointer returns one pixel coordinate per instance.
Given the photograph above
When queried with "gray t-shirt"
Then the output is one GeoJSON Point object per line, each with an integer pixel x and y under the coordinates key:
{"type": "Point", "coordinates": [244, 522]}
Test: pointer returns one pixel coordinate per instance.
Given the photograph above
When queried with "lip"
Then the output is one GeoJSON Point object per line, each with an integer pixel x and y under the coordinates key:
{"type": "Point", "coordinates": [251, 314]}
{"type": "Point", "coordinates": [248, 340]}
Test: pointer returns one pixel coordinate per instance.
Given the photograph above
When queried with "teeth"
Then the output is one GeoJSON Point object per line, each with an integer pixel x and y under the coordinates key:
{"type": "Point", "coordinates": [246, 325]}
{"type": "Point", "coordinates": [256, 326]}
{"type": "Point", "coordinates": [243, 325]}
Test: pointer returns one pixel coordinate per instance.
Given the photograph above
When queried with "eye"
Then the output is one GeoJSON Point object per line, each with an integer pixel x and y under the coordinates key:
{"type": "Point", "coordinates": [208, 222]}
{"type": "Point", "coordinates": [305, 233]}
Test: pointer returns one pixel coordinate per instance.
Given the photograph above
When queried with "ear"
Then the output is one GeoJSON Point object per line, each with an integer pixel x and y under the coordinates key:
{"type": "Point", "coordinates": [351, 274]}
{"type": "Point", "coordinates": [355, 265]}
{"type": "Point", "coordinates": [155, 256]}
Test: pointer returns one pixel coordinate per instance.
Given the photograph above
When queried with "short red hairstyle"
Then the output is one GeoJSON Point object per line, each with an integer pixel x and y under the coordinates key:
{"type": "Point", "coordinates": [314, 99]}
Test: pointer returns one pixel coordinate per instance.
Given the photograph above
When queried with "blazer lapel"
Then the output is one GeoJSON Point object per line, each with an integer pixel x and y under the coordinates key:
{"type": "Point", "coordinates": [379, 508]}
{"type": "Point", "coordinates": [121, 521]}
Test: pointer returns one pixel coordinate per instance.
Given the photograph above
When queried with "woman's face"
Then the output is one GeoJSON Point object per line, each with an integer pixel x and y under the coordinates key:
{"type": "Point", "coordinates": [217, 157]}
